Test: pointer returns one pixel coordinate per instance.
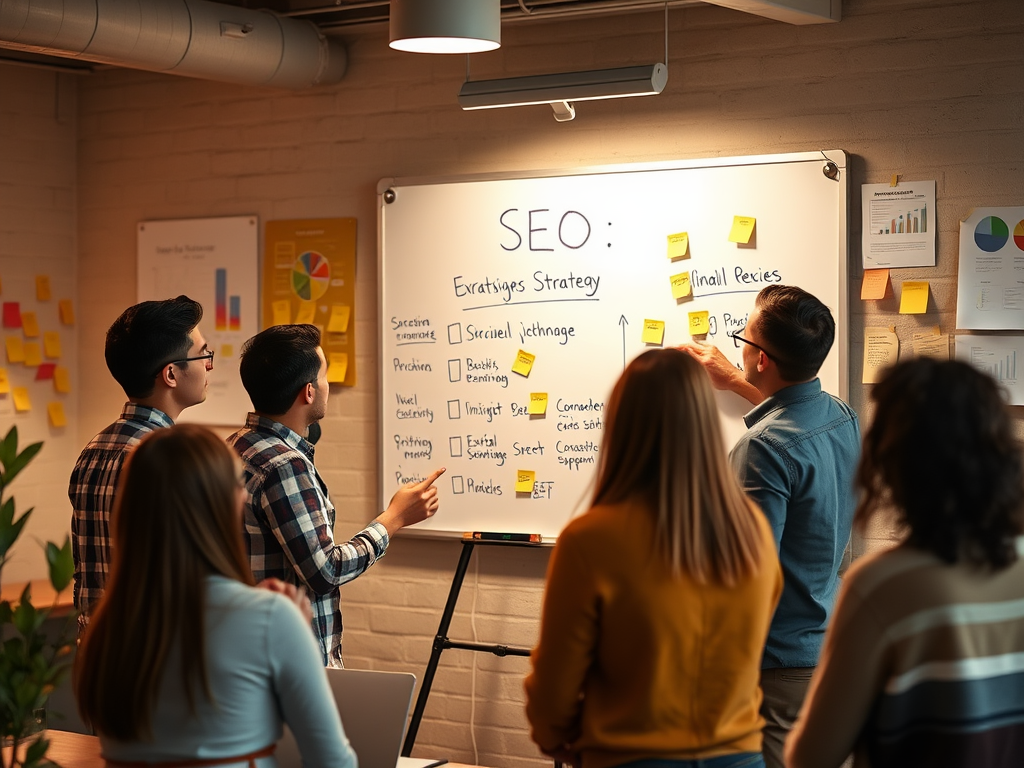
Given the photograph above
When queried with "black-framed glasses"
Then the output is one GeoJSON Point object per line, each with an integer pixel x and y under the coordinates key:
{"type": "Point", "coordinates": [737, 338]}
{"type": "Point", "coordinates": [208, 356]}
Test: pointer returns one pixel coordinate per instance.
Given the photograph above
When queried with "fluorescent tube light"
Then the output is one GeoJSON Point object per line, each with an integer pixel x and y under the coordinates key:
{"type": "Point", "coordinates": [619, 83]}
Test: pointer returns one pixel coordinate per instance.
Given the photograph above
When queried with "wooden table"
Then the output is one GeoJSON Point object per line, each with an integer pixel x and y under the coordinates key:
{"type": "Point", "coordinates": [43, 596]}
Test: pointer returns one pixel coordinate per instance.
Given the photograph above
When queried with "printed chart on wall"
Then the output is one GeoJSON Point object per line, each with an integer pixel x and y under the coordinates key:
{"type": "Point", "coordinates": [215, 262]}
{"type": "Point", "coordinates": [309, 276]}
{"type": "Point", "coordinates": [990, 278]}
{"type": "Point", "coordinates": [509, 307]}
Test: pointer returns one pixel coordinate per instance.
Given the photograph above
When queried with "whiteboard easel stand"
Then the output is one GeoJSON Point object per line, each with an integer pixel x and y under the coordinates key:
{"type": "Point", "coordinates": [442, 643]}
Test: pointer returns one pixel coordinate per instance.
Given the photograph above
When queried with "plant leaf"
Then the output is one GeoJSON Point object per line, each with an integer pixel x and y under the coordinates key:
{"type": "Point", "coordinates": [12, 468]}
{"type": "Point", "coordinates": [10, 533]}
{"type": "Point", "coordinates": [9, 446]}
{"type": "Point", "coordinates": [36, 750]}
{"type": "Point", "coordinates": [62, 564]}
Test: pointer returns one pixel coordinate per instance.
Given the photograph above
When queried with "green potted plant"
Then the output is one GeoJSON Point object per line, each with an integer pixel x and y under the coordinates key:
{"type": "Point", "coordinates": [31, 663]}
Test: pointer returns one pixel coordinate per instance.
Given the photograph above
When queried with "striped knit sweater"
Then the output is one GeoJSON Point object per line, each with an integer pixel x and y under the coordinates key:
{"type": "Point", "coordinates": [923, 666]}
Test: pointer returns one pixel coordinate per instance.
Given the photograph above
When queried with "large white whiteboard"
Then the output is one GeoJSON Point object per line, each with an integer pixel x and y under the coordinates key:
{"type": "Point", "coordinates": [567, 265]}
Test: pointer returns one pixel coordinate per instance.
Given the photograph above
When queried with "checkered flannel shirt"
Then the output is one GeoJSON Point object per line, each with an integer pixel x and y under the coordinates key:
{"type": "Point", "coordinates": [289, 526]}
{"type": "Point", "coordinates": [91, 491]}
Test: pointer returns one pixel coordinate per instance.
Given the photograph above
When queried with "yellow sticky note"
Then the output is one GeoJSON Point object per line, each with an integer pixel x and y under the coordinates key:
{"type": "Point", "coordinates": [306, 313]}
{"type": "Point", "coordinates": [29, 324]}
{"type": "Point", "coordinates": [680, 285]}
{"type": "Point", "coordinates": [5, 383]}
{"type": "Point", "coordinates": [227, 350]}
{"type": "Point", "coordinates": [742, 229]}
{"type": "Point", "coordinates": [678, 245]}
{"type": "Point", "coordinates": [914, 300]}
{"type": "Point", "coordinates": [56, 411]}
{"type": "Point", "coordinates": [337, 366]}
{"type": "Point", "coordinates": [524, 480]}
{"type": "Point", "coordinates": [42, 287]}
{"type": "Point", "coordinates": [282, 312]}
{"type": "Point", "coordinates": [51, 344]}
{"type": "Point", "coordinates": [22, 402]}
{"type": "Point", "coordinates": [67, 311]}
{"type": "Point", "coordinates": [524, 363]}
{"type": "Point", "coordinates": [699, 322]}
{"type": "Point", "coordinates": [33, 353]}
{"type": "Point", "coordinates": [874, 285]}
{"type": "Point", "coordinates": [61, 379]}
{"type": "Point", "coordinates": [654, 332]}
{"type": "Point", "coordinates": [339, 318]}
{"type": "Point", "coordinates": [538, 403]}
{"type": "Point", "coordinates": [15, 349]}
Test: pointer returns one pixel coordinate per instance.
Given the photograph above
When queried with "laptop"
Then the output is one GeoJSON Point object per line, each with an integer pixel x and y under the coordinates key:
{"type": "Point", "coordinates": [374, 707]}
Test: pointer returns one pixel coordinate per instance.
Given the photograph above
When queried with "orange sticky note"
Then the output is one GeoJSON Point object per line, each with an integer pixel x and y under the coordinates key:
{"type": "Point", "coordinates": [524, 363]}
{"type": "Point", "coordinates": [51, 344]}
{"type": "Point", "coordinates": [680, 285]}
{"type": "Point", "coordinates": [5, 383]}
{"type": "Point", "coordinates": [306, 313]}
{"type": "Point", "coordinates": [22, 402]}
{"type": "Point", "coordinates": [875, 283]}
{"type": "Point", "coordinates": [337, 367]}
{"type": "Point", "coordinates": [61, 379]}
{"type": "Point", "coordinates": [67, 311]}
{"type": "Point", "coordinates": [29, 324]}
{"type": "Point", "coordinates": [914, 300]}
{"type": "Point", "coordinates": [340, 314]}
{"type": "Point", "coordinates": [678, 245]}
{"type": "Point", "coordinates": [654, 332]}
{"type": "Point", "coordinates": [282, 312]}
{"type": "Point", "coordinates": [56, 411]}
{"type": "Point", "coordinates": [42, 287]}
{"type": "Point", "coordinates": [15, 349]}
{"type": "Point", "coordinates": [33, 353]}
{"type": "Point", "coordinates": [700, 322]}
{"type": "Point", "coordinates": [524, 480]}
{"type": "Point", "coordinates": [742, 229]}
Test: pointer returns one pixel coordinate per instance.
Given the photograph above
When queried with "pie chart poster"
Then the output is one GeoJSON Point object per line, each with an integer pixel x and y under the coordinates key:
{"type": "Point", "coordinates": [309, 276]}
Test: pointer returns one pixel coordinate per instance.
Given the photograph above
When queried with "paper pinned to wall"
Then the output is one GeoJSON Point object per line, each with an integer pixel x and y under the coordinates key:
{"type": "Point", "coordinates": [881, 349]}
{"type": "Point", "coordinates": [898, 224]}
{"type": "Point", "coordinates": [990, 290]}
{"type": "Point", "coordinates": [997, 356]}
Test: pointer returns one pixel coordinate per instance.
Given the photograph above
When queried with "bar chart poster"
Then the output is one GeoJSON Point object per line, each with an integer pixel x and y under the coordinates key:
{"type": "Point", "coordinates": [1002, 357]}
{"type": "Point", "coordinates": [216, 262]}
{"type": "Point", "coordinates": [309, 276]}
{"type": "Point", "coordinates": [990, 275]}
{"type": "Point", "coordinates": [898, 224]}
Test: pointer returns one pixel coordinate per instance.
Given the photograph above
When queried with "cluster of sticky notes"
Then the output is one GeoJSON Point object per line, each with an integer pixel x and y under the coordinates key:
{"type": "Point", "coordinates": [742, 229]}
{"type": "Point", "coordinates": [524, 363]}
{"type": "Point", "coordinates": [654, 332]}
{"type": "Point", "coordinates": [914, 300]}
{"type": "Point", "coordinates": [538, 404]}
{"type": "Point", "coordinates": [337, 367]}
{"type": "Point", "coordinates": [525, 479]}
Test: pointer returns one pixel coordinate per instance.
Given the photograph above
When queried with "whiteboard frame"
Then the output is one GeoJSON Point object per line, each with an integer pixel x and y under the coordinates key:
{"type": "Point", "coordinates": [837, 156]}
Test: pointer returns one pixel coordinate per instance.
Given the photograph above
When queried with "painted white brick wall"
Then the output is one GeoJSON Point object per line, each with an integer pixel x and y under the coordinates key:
{"type": "Point", "coordinates": [923, 88]}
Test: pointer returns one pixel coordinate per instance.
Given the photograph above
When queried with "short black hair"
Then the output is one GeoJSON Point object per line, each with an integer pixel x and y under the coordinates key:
{"type": "Point", "coordinates": [277, 363]}
{"type": "Point", "coordinates": [148, 336]}
{"type": "Point", "coordinates": [797, 330]}
{"type": "Point", "coordinates": [941, 452]}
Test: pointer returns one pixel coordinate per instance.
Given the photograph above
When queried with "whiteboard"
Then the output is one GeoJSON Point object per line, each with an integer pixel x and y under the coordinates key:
{"type": "Point", "coordinates": [567, 266]}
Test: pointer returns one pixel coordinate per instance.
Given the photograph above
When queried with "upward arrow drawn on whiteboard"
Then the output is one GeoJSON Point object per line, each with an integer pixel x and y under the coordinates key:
{"type": "Point", "coordinates": [623, 322]}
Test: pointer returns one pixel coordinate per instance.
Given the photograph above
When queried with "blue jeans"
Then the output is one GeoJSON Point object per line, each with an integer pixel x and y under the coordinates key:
{"type": "Point", "coordinates": [735, 760]}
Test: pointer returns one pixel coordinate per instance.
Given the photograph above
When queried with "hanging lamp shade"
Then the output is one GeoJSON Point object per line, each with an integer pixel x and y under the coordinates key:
{"type": "Point", "coordinates": [445, 26]}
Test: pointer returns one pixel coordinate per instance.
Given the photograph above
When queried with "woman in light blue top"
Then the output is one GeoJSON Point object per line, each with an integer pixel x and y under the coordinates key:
{"type": "Point", "coordinates": [185, 662]}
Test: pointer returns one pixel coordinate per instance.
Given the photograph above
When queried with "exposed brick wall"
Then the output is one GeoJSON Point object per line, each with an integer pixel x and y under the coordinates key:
{"type": "Point", "coordinates": [924, 88]}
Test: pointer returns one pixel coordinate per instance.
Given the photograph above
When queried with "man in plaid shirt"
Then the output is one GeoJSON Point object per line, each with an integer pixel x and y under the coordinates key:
{"type": "Point", "coordinates": [289, 517]}
{"type": "Point", "coordinates": [155, 351]}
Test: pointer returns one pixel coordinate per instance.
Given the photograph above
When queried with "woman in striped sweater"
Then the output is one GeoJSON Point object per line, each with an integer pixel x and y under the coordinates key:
{"type": "Point", "coordinates": [923, 664]}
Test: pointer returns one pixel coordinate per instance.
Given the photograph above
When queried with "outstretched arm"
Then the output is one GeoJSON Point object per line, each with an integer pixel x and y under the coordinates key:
{"type": "Point", "coordinates": [723, 374]}
{"type": "Point", "coordinates": [411, 504]}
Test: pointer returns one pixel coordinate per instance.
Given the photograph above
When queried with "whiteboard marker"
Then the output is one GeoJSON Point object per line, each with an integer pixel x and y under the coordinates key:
{"type": "Point", "coordinates": [521, 538]}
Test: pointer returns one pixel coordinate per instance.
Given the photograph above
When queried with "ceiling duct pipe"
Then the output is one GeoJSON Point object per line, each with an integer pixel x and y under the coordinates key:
{"type": "Point", "coordinates": [193, 38]}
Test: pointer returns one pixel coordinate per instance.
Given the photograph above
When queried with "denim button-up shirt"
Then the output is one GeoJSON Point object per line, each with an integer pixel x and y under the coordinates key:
{"type": "Point", "coordinates": [797, 461]}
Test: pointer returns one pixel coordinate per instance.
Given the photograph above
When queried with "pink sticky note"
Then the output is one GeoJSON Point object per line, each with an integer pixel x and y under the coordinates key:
{"type": "Point", "coordinates": [12, 314]}
{"type": "Point", "coordinates": [45, 371]}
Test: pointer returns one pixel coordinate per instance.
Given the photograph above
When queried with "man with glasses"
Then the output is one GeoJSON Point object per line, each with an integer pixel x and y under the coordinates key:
{"type": "Point", "coordinates": [155, 351]}
{"type": "Point", "coordinates": [797, 461]}
{"type": "Point", "coordinates": [289, 518]}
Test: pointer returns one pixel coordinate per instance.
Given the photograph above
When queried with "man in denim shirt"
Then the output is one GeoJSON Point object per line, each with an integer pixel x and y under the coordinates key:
{"type": "Point", "coordinates": [797, 461]}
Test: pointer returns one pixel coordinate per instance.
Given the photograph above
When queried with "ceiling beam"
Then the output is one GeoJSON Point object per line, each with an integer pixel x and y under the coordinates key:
{"type": "Point", "coordinates": [790, 11]}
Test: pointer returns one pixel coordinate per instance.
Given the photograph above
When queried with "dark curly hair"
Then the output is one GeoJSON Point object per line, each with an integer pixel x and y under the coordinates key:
{"type": "Point", "coordinates": [941, 452]}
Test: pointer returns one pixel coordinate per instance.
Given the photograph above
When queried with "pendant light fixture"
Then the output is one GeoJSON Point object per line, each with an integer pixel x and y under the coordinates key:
{"type": "Point", "coordinates": [445, 26]}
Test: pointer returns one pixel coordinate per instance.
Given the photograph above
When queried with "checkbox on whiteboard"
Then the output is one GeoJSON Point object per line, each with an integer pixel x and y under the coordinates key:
{"type": "Point", "coordinates": [457, 484]}
{"type": "Point", "coordinates": [454, 411]}
{"type": "Point", "coordinates": [455, 446]}
{"type": "Point", "coordinates": [455, 370]}
{"type": "Point", "coordinates": [455, 333]}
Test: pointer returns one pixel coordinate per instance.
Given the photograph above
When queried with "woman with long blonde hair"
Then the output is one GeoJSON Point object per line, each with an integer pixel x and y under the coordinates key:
{"type": "Point", "coordinates": [185, 663]}
{"type": "Point", "coordinates": [659, 597]}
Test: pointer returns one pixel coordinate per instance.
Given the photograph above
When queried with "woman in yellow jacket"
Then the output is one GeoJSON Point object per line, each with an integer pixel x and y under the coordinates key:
{"type": "Point", "coordinates": [659, 597]}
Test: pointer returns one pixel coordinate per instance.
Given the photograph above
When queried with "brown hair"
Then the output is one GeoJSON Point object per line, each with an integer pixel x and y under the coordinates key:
{"type": "Point", "coordinates": [175, 522]}
{"type": "Point", "coordinates": [663, 446]}
{"type": "Point", "coordinates": [941, 453]}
